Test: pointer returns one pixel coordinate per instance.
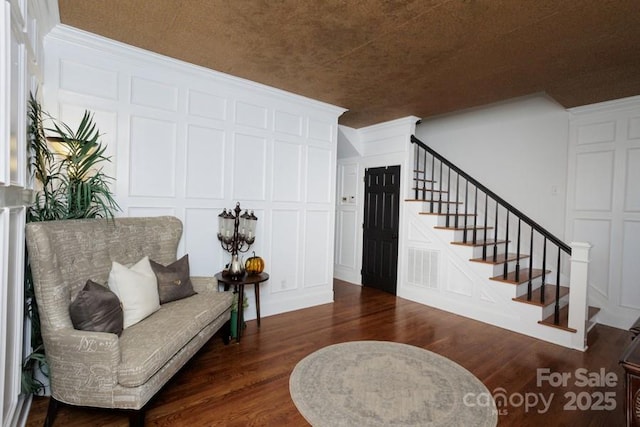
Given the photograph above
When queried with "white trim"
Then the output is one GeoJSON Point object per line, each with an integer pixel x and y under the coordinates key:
{"type": "Point", "coordinates": [73, 35]}
{"type": "Point", "coordinates": [607, 106]}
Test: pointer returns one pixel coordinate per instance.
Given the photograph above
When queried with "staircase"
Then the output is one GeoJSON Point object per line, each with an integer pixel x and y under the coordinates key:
{"type": "Point", "coordinates": [512, 249]}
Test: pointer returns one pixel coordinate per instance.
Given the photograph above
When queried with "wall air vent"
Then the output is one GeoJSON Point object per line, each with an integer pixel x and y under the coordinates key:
{"type": "Point", "coordinates": [423, 267]}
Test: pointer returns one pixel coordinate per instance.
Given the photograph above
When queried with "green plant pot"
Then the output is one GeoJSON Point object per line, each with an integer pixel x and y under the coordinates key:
{"type": "Point", "coordinates": [234, 324]}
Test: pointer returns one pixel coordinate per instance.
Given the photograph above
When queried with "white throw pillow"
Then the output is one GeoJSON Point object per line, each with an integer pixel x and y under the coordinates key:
{"type": "Point", "coordinates": [137, 288]}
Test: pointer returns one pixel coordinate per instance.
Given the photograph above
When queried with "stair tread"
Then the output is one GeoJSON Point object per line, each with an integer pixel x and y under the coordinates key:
{"type": "Point", "coordinates": [431, 190]}
{"type": "Point", "coordinates": [549, 295]}
{"type": "Point", "coordinates": [480, 243]}
{"type": "Point", "coordinates": [500, 258]}
{"type": "Point", "coordinates": [452, 202]}
{"type": "Point", "coordinates": [469, 228]}
{"type": "Point", "coordinates": [564, 318]}
{"type": "Point", "coordinates": [524, 275]}
{"type": "Point", "coordinates": [442, 213]}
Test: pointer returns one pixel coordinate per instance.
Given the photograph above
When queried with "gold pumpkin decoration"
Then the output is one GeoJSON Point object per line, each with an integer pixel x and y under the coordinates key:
{"type": "Point", "coordinates": [254, 265]}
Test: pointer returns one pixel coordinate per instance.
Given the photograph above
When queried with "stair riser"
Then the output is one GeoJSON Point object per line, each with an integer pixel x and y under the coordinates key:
{"type": "Point", "coordinates": [499, 249]}
{"type": "Point", "coordinates": [458, 235]}
{"type": "Point", "coordinates": [498, 269]}
{"type": "Point", "coordinates": [549, 309]}
{"type": "Point", "coordinates": [442, 219]}
{"type": "Point", "coordinates": [522, 288]}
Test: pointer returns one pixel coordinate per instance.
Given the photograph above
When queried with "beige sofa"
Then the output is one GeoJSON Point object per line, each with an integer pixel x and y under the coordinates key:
{"type": "Point", "coordinates": [101, 369]}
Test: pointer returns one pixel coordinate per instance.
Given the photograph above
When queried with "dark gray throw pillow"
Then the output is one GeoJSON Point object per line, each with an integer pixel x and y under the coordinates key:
{"type": "Point", "coordinates": [173, 280]}
{"type": "Point", "coordinates": [98, 309]}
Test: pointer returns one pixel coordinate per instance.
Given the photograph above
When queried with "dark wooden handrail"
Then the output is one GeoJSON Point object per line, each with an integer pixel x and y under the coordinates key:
{"type": "Point", "coordinates": [547, 234]}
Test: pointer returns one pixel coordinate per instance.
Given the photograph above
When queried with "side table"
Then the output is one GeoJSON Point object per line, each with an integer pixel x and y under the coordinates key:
{"type": "Point", "coordinates": [630, 361]}
{"type": "Point", "coordinates": [238, 285]}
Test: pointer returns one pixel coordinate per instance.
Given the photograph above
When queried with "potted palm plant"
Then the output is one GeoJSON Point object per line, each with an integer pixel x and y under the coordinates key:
{"type": "Point", "coordinates": [70, 184]}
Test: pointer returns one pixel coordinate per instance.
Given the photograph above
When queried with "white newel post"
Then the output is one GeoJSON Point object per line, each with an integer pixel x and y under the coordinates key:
{"type": "Point", "coordinates": [578, 295]}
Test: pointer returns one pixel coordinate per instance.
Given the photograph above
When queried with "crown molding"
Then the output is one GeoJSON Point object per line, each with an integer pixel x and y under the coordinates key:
{"type": "Point", "coordinates": [65, 33]}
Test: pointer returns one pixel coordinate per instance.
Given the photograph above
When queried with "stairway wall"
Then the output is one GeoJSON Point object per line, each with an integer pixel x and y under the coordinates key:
{"type": "Point", "coordinates": [509, 146]}
{"type": "Point", "coordinates": [604, 181]}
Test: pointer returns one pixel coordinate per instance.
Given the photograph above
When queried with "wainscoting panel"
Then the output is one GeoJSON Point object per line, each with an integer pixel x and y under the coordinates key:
{"type": "Point", "coordinates": [285, 250]}
{"type": "Point", "coordinates": [322, 131]}
{"type": "Point", "coordinates": [83, 78]}
{"type": "Point", "coordinates": [152, 155]}
{"type": "Point", "coordinates": [287, 171]}
{"type": "Point", "coordinates": [630, 296]}
{"type": "Point", "coordinates": [149, 93]}
{"type": "Point", "coordinates": [598, 233]}
{"type": "Point", "coordinates": [139, 211]}
{"type": "Point", "coordinates": [288, 123]}
{"type": "Point", "coordinates": [249, 167]}
{"type": "Point", "coordinates": [594, 181]}
{"type": "Point", "coordinates": [597, 132]}
{"type": "Point", "coordinates": [207, 105]}
{"type": "Point", "coordinates": [320, 162]}
{"type": "Point", "coordinates": [346, 229]}
{"type": "Point", "coordinates": [205, 163]}
{"type": "Point", "coordinates": [604, 175]}
{"type": "Point", "coordinates": [318, 249]}
{"type": "Point", "coordinates": [632, 195]}
{"type": "Point", "coordinates": [251, 115]}
{"type": "Point", "coordinates": [201, 243]}
{"type": "Point", "coordinates": [191, 142]}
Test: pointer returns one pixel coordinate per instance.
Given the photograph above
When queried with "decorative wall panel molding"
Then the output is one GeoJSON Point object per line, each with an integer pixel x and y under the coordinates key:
{"type": "Point", "coordinates": [152, 157]}
{"type": "Point", "coordinates": [192, 142]}
{"type": "Point", "coordinates": [597, 132]}
{"type": "Point", "coordinates": [319, 163]}
{"type": "Point", "coordinates": [249, 167]}
{"type": "Point", "coordinates": [287, 171]}
{"type": "Point", "coordinates": [458, 282]}
{"type": "Point", "coordinates": [322, 131]}
{"type": "Point", "coordinates": [604, 175]}
{"type": "Point", "coordinates": [288, 123]}
{"type": "Point", "coordinates": [251, 115]}
{"type": "Point", "coordinates": [89, 80]}
{"type": "Point", "coordinates": [285, 250]}
{"type": "Point", "coordinates": [598, 233]}
{"type": "Point", "coordinates": [630, 295]}
{"type": "Point", "coordinates": [150, 93]}
{"type": "Point", "coordinates": [594, 181]}
{"type": "Point", "coordinates": [318, 252]}
{"type": "Point", "coordinates": [206, 171]}
{"type": "Point", "coordinates": [632, 195]}
{"type": "Point", "coordinates": [207, 105]}
{"type": "Point", "coordinates": [634, 128]}
{"type": "Point", "coordinates": [346, 229]}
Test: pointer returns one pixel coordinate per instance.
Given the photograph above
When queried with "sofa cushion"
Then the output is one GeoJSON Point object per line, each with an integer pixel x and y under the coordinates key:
{"type": "Point", "coordinates": [147, 346]}
{"type": "Point", "coordinates": [97, 309]}
{"type": "Point", "coordinates": [173, 280]}
{"type": "Point", "coordinates": [137, 288]}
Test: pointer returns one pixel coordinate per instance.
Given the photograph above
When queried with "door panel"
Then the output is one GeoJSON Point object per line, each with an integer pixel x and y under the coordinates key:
{"type": "Point", "coordinates": [380, 228]}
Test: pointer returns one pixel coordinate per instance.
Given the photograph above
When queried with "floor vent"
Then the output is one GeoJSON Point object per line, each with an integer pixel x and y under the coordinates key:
{"type": "Point", "coordinates": [423, 267]}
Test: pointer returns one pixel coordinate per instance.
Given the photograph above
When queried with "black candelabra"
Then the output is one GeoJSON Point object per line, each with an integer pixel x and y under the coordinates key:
{"type": "Point", "coordinates": [236, 234]}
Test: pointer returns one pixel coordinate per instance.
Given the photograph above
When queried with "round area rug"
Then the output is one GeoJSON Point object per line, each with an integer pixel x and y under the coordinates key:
{"type": "Point", "coordinates": [381, 383]}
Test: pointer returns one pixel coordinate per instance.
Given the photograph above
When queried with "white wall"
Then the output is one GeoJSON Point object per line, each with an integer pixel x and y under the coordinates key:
{"type": "Point", "coordinates": [22, 25]}
{"type": "Point", "coordinates": [384, 144]}
{"type": "Point", "coordinates": [189, 142]}
{"type": "Point", "coordinates": [518, 149]}
{"type": "Point", "coordinates": [604, 204]}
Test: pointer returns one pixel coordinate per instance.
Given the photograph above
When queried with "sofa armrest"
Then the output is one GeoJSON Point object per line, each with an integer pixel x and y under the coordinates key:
{"type": "Point", "coordinates": [201, 283]}
{"type": "Point", "coordinates": [82, 364]}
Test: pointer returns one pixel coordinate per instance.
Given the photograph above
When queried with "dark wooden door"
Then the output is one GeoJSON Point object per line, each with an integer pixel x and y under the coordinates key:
{"type": "Point", "coordinates": [380, 235]}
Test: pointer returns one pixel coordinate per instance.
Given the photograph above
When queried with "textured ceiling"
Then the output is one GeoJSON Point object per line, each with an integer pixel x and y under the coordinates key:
{"type": "Point", "coordinates": [387, 59]}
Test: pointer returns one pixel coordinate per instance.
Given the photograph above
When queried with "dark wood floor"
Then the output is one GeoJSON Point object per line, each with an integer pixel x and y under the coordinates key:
{"type": "Point", "coordinates": [247, 384]}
